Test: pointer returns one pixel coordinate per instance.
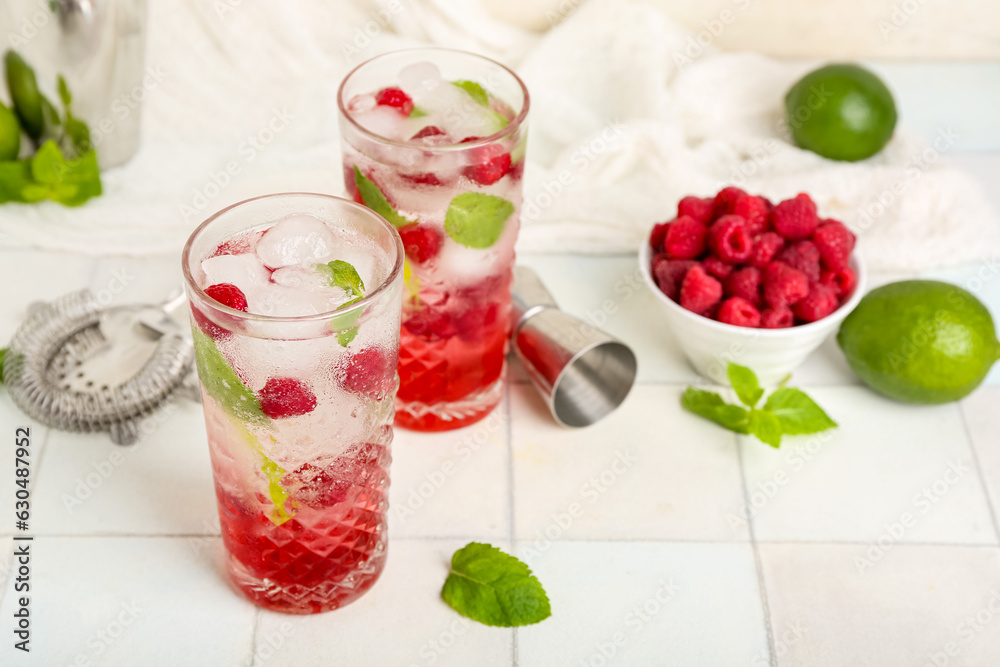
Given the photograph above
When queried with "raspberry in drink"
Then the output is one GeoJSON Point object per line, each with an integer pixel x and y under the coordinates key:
{"type": "Point", "coordinates": [434, 141]}
{"type": "Point", "coordinates": [295, 318]}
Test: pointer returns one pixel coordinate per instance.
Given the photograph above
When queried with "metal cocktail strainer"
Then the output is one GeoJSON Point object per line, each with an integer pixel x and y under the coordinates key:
{"type": "Point", "coordinates": [76, 366]}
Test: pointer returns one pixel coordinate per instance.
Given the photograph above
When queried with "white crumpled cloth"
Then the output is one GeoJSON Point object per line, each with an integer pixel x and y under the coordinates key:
{"type": "Point", "coordinates": [627, 117]}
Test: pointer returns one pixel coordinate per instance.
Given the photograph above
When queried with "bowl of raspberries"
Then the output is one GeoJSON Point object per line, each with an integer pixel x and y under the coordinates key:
{"type": "Point", "coordinates": [745, 280]}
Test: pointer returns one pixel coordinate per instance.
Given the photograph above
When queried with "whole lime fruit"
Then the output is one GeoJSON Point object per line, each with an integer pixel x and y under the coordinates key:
{"type": "Point", "coordinates": [842, 112]}
{"type": "Point", "coordinates": [10, 134]}
{"type": "Point", "coordinates": [920, 341]}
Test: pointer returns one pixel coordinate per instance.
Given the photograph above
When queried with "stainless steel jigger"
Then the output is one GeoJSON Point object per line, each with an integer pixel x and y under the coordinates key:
{"type": "Point", "coordinates": [75, 366]}
{"type": "Point", "coordinates": [582, 372]}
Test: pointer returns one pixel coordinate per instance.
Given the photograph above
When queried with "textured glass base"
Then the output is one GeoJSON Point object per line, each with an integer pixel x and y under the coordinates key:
{"type": "Point", "coordinates": [299, 599]}
{"type": "Point", "coordinates": [447, 416]}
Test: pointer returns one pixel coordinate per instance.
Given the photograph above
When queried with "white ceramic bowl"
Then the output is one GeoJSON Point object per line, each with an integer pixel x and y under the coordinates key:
{"type": "Point", "coordinates": [771, 353]}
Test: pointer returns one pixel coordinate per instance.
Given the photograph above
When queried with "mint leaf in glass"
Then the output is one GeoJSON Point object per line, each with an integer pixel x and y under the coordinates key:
{"type": "Point", "coordinates": [222, 383]}
{"type": "Point", "coordinates": [711, 406]}
{"type": "Point", "coordinates": [477, 220]}
{"type": "Point", "coordinates": [475, 91]}
{"type": "Point", "coordinates": [745, 384]}
{"type": "Point", "coordinates": [494, 588]}
{"type": "Point", "coordinates": [798, 413]}
{"type": "Point", "coordinates": [343, 275]}
{"type": "Point", "coordinates": [374, 199]}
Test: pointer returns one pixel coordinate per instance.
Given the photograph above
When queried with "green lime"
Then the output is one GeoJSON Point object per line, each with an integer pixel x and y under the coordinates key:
{"type": "Point", "coordinates": [24, 93]}
{"type": "Point", "coordinates": [10, 134]}
{"type": "Point", "coordinates": [842, 112]}
{"type": "Point", "coordinates": [920, 341]}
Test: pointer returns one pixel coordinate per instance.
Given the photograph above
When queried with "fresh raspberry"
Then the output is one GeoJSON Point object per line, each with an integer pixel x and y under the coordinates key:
{"type": "Point", "coordinates": [421, 242]}
{"type": "Point", "coordinates": [739, 312]}
{"type": "Point", "coordinates": [429, 324]}
{"type": "Point", "coordinates": [698, 208]}
{"type": "Point", "coordinates": [491, 163]}
{"type": "Point", "coordinates": [804, 256]}
{"type": "Point", "coordinates": [717, 267]}
{"type": "Point", "coordinates": [783, 285]}
{"type": "Point", "coordinates": [395, 97]}
{"type": "Point", "coordinates": [835, 243]}
{"type": "Point", "coordinates": [286, 397]}
{"type": "Point", "coordinates": [777, 318]}
{"type": "Point", "coordinates": [820, 302]}
{"type": "Point", "coordinates": [669, 274]}
{"type": "Point", "coordinates": [370, 372]}
{"type": "Point", "coordinates": [685, 238]}
{"type": "Point", "coordinates": [754, 211]}
{"type": "Point", "coordinates": [765, 247]}
{"type": "Point", "coordinates": [730, 239]}
{"type": "Point", "coordinates": [228, 294]}
{"type": "Point", "coordinates": [725, 202]}
{"type": "Point", "coordinates": [795, 218]}
{"type": "Point", "coordinates": [745, 284]}
{"type": "Point", "coordinates": [699, 291]}
{"type": "Point", "coordinates": [657, 235]}
{"type": "Point", "coordinates": [429, 131]}
{"type": "Point", "coordinates": [842, 281]}
{"type": "Point", "coordinates": [315, 487]}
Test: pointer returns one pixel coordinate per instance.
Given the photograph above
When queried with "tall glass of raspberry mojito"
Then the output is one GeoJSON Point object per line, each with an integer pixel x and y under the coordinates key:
{"type": "Point", "coordinates": [295, 316]}
{"type": "Point", "coordinates": [434, 141]}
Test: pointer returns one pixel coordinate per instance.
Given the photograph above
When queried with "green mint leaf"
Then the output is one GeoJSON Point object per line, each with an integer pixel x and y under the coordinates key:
{"type": "Point", "coordinates": [345, 325]}
{"type": "Point", "coordinates": [710, 405]}
{"type": "Point", "coordinates": [222, 383]}
{"type": "Point", "coordinates": [500, 122]}
{"type": "Point", "coordinates": [275, 490]}
{"type": "Point", "coordinates": [3, 354]}
{"type": "Point", "coordinates": [475, 91]}
{"type": "Point", "coordinates": [343, 275]}
{"type": "Point", "coordinates": [494, 588]}
{"type": "Point", "coordinates": [417, 112]}
{"type": "Point", "coordinates": [745, 383]}
{"type": "Point", "coordinates": [64, 94]}
{"type": "Point", "coordinates": [14, 178]}
{"type": "Point", "coordinates": [477, 220]}
{"type": "Point", "coordinates": [766, 427]}
{"type": "Point", "coordinates": [373, 198]}
{"type": "Point", "coordinates": [798, 413]}
{"type": "Point", "coordinates": [81, 180]}
{"type": "Point", "coordinates": [274, 474]}
{"type": "Point", "coordinates": [49, 166]}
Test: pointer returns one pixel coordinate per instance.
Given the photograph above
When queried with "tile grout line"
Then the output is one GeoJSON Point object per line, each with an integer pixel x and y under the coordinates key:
{"type": "Point", "coordinates": [979, 470]}
{"type": "Point", "coordinates": [758, 566]}
{"type": "Point", "coordinates": [252, 662]}
{"type": "Point", "coordinates": [510, 495]}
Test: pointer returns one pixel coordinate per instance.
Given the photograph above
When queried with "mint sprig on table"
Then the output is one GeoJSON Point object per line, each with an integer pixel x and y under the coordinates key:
{"type": "Point", "coordinates": [787, 411]}
{"type": "Point", "coordinates": [494, 588]}
{"type": "Point", "coordinates": [64, 169]}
